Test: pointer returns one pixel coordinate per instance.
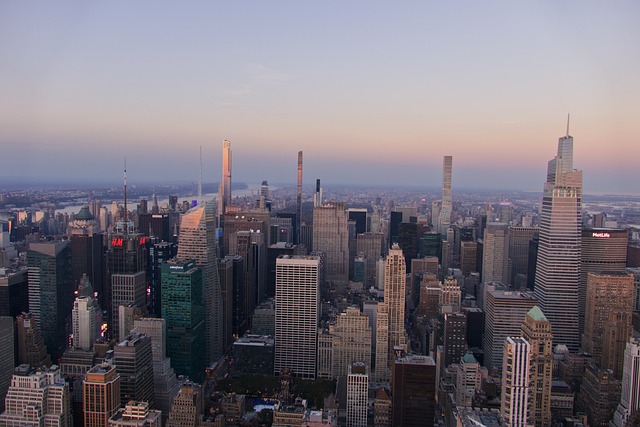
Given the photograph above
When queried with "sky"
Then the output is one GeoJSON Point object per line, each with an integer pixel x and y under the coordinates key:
{"type": "Point", "coordinates": [373, 92]}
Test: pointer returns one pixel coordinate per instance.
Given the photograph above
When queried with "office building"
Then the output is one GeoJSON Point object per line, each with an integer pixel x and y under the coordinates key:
{"type": "Point", "coordinates": [455, 337]}
{"type": "Point", "coordinates": [297, 301]}
{"type": "Point", "coordinates": [331, 237]}
{"type": "Point", "coordinates": [413, 391]}
{"type": "Point", "coordinates": [165, 384]}
{"type": "Point", "coordinates": [37, 398]}
{"type": "Point", "coordinates": [31, 348]}
{"type": "Point", "coordinates": [8, 360]}
{"type": "Point", "coordinates": [519, 238]}
{"type": "Point", "coordinates": [197, 241]}
{"type": "Point", "coordinates": [599, 395]}
{"type": "Point", "coordinates": [603, 249]}
{"type": "Point", "coordinates": [51, 291]}
{"type": "Point", "coordinates": [133, 360]}
{"type": "Point", "coordinates": [608, 294]}
{"type": "Point", "coordinates": [126, 284]}
{"type": "Point", "coordinates": [225, 276]}
{"type": "Point", "coordinates": [350, 341]}
{"type": "Point", "coordinates": [382, 407]}
{"type": "Point", "coordinates": [630, 399]}
{"type": "Point", "coordinates": [186, 409]}
{"type": "Point", "coordinates": [14, 292]}
{"type": "Point", "coordinates": [136, 414]}
{"type": "Point", "coordinates": [395, 296]}
{"type": "Point", "coordinates": [369, 245]}
{"type": "Point", "coordinates": [156, 226]}
{"type": "Point", "coordinates": [536, 330]}
{"type": "Point", "coordinates": [468, 257]}
{"type": "Point", "coordinates": [184, 312]}
{"type": "Point", "coordinates": [100, 395]}
{"type": "Point", "coordinates": [84, 319]}
{"type": "Point", "coordinates": [495, 255]}
{"type": "Point", "coordinates": [468, 379]}
{"type": "Point", "coordinates": [514, 405]}
{"type": "Point", "coordinates": [298, 201]}
{"type": "Point", "coordinates": [383, 357]}
{"type": "Point", "coordinates": [357, 395]}
{"type": "Point", "coordinates": [87, 258]}
{"type": "Point", "coordinates": [159, 253]}
{"type": "Point", "coordinates": [254, 354]}
{"type": "Point", "coordinates": [559, 251]}
{"type": "Point", "coordinates": [504, 314]}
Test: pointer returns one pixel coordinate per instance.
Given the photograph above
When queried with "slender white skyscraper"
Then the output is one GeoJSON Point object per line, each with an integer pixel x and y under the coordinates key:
{"type": "Point", "coordinates": [357, 395]}
{"type": "Point", "coordinates": [515, 385]}
{"type": "Point", "coordinates": [224, 190]}
{"type": "Point", "coordinates": [395, 285]}
{"type": "Point", "coordinates": [559, 252]}
{"type": "Point", "coordinates": [445, 210]}
{"type": "Point", "coordinates": [84, 323]}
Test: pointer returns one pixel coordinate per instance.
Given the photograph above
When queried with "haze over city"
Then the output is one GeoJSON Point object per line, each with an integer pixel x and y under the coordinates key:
{"type": "Point", "coordinates": [373, 93]}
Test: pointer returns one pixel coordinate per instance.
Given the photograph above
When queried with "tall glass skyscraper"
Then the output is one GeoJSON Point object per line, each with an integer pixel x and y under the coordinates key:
{"type": "Point", "coordinates": [559, 252]}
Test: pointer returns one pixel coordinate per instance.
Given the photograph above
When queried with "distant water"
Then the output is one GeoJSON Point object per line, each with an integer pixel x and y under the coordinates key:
{"type": "Point", "coordinates": [131, 203]}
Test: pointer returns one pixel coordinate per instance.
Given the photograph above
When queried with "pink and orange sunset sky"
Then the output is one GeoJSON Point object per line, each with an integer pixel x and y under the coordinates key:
{"type": "Point", "coordinates": [372, 92]}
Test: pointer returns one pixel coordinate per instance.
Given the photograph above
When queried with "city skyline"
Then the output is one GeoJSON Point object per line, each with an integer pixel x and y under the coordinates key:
{"type": "Point", "coordinates": [377, 93]}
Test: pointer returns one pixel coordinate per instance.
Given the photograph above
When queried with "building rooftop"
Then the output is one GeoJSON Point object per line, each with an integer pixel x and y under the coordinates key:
{"type": "Point", "coordinates": [537, 314]}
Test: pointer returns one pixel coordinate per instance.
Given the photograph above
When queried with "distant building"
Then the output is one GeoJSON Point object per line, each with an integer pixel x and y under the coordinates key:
{"type": "Point", "coordinates": [330, 236]}
{"type": "Point", "coordinates": [495, 261]}
{"type": "Point", "coordinates": [7, 361]}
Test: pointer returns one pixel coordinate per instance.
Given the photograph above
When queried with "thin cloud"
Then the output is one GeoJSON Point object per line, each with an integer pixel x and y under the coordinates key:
{"type": "Point", "coordinates": [261, 72]}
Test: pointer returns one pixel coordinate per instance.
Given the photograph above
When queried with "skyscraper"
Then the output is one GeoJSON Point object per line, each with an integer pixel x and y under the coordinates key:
{"type": "Point", "coordinates": [603, 249]}
{"type": "Point", "coordinates": [445, 210]}
{"type": "Point", "coordinates": [395, 284]}
{"type": "Point", "coordinates": [505, 311]}
{"type": "Point", "coordinates": [357, 395]}
{"type": "Point", "coordinates": [413, 391]}
{"type": "Point", "coordinates": [299, 199]}
{"type": "Point", "coordinates": [495, 255]}
{"type": "Point", "coordinates": [536, 330]}
{"type": "Point", "coordinates": [331, 237]}
{"type": "Point", "coordinates": [559, 251]}
{"type": "Point", "coordinates": [133, 360]}
{"type": "Point", "coordinates": [197, 242]}
{"type": "Point", "coordinates": [630, 400]}
{"type": "Point", "coordinates": [51, 291]}
{"type": "Point", "coordinates": [515, 385]}
{"type": "Point", "coordinates": [164, 377]}
{"type": "Point", "coordinates": [224, 191]}
{"type": "Point", "coordinates": [297, 299]}
{"type": "Point", "coordinates": [100, 395]}
{"type": "Point", "coordinates": [608, 293]}
{"type": "Point", "coordinates": [7, 361]}
{"type": "Point", "coordinates": [84, 323]}
{"type": "Point", "coordinates": [126, 283]}
{"type": "Point", "coordinates": [31, 348]}
{"type": "Point", "coordinates": [184, 312]}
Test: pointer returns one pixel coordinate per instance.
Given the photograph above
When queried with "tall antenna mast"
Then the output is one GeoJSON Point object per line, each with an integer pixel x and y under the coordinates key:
{"type": "Point", "coordinates": [200, 180]}
{"type": "Point", "coordinates": [568, 117]}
